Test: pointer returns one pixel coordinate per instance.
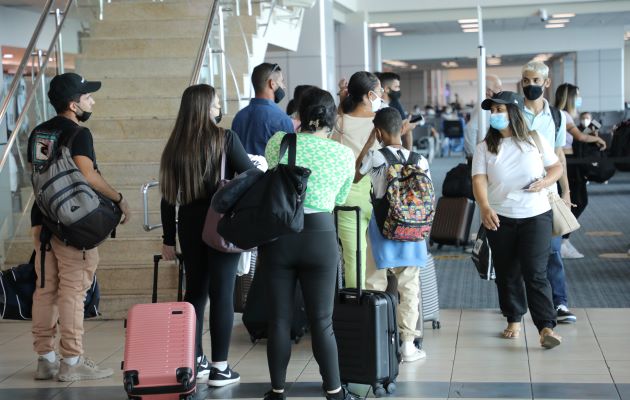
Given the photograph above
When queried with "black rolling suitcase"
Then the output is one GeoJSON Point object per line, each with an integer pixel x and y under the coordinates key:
{"type": "Point", "coordinates": [365, 326]}
{"type": "Point", "coordinates": [255, 314]}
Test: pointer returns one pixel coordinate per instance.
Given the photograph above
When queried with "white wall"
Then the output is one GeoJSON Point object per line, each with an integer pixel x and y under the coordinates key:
{"type": "Point", "coordinates": [17, 26]}
{"type": "Point", "coordinates": [626, 72]}
{"type": "Point", "coordinates": [600, 77]}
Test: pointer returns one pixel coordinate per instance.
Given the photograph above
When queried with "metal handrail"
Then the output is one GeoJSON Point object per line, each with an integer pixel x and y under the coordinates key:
{"type": "Point", "coordinates": [146, 225]}
{"type": "Point", "coordinates": [29, 99]}
{"type": "Point", "coordinates": [27, 55]}
{"type": "Point", "coordinates": [201, 53]}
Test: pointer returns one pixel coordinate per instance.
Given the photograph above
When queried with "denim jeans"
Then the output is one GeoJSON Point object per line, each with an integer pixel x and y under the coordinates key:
{"type": "Point", "coordinates": [555, 273]}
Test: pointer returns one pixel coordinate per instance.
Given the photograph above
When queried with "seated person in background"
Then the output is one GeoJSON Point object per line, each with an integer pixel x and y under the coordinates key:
{"type": "Point", "coordinates": [402, 258]}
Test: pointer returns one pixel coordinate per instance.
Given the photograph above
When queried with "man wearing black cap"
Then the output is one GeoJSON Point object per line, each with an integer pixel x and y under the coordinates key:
{"type": "Point", "coordinates": [69, 271]}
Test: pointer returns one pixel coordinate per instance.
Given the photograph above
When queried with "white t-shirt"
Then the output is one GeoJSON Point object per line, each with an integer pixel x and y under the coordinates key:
{"type": "Point", "coordinates": [375, 164]}
{"type": "Point", "coordinates": [512, 170]}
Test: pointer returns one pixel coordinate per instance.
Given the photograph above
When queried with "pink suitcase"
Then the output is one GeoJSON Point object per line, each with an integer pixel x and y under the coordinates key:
{"type": "Point", "coordinates": [160, 351]}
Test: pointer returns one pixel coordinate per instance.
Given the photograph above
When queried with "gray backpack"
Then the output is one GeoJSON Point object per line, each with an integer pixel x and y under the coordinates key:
{"type": "Point", "coordinates": [73, 211]}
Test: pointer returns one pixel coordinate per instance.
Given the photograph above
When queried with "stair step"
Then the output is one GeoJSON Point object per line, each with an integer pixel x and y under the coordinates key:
{"type": "Point", "coordinates": [115, 304]}
{"type": "Point", "coordinates": [126, 249]}
{"type": "Point", "coordinates": [148, 29]}
{"type": "Point", "coordinates": [141, 107]}
{"type": "Point", "coordinates": [136, 67]}
{"type": "Point", "coordinates": [140, 48]}
{"type": "Point", "coordinates": [130, 173]}
{"type": "Point", "coordinates": [133, 11]}
{"type": "Point", "coordinates": [130, 128]}
{"type": "Point", "coordinates": [132, 88]}
{"type": "Point", "coordinates": [136, 277]}
{"type": "Point", "coordinates": [122, 150]}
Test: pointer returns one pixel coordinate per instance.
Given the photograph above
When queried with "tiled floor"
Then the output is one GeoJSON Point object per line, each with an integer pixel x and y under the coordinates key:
{"type": "Point", "coordinates": [466, 359]}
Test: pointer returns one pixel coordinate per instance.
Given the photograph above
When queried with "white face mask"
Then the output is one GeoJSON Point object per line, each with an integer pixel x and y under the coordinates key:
{"type": "Point", "coordinates": [585, 122]}
{"type": "Point", "coordinates": [376, 103]}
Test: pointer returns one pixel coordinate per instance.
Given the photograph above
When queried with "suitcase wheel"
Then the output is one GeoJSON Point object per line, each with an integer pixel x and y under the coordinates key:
{"type": "Point", "coordinates": [379, 391]}
{"type": "Point", "coordinates": [252, 338]}
{"type": "Point", "coordinates": [183, 376]}
{"type": "Point", "coordinates": [130, 380]}
{"type": "Point", "coordinates": [391, 388]}
{"type": "Point", "coordinates": [436, 325]}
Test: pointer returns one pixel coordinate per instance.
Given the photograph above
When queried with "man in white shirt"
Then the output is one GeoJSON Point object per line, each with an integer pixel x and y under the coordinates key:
{"type": "Point", "coordinates": [540, 118]}
{"type": "Point", "coordinates": [472, 136]}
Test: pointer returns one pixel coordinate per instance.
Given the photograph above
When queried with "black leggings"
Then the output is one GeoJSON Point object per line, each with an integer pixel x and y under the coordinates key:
{"type": "Point", "coordinates": [311, 258]}
{"type": "Point", "coordinates": [210, 274]}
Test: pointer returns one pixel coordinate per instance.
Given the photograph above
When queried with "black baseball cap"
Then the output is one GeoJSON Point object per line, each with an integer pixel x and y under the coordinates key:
{"type": "Point", "coordinates": [65, 86]}
{"type": "Point", "coordinates": [505, 97]}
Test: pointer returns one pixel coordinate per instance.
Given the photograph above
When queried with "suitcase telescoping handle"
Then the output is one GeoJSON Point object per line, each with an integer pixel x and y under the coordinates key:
{"type": "Point", "coordinates": [357, 211]}
{"type": "Point", "coordinates": [180, 276]}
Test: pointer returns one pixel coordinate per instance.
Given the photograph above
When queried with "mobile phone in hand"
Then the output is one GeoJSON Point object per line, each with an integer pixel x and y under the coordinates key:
{"type": "Point", "coordinates": [416, 118]}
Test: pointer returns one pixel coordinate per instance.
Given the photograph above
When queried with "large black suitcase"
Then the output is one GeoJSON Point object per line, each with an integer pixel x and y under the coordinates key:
{"type": "Point", "coordinates": [365, 326]}
{"type": "Point", "coordinates": [255, 315]}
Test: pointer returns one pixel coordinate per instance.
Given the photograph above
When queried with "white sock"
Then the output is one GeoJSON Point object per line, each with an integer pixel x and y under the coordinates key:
{"type": "Point", "coordinates": [221, 365]}
{"type": "Point", "coordinates": [199, 359]}
{"type": "Point", "coordinates": [277, 390]}
{"type": "Point", "coordinates": [50, 356]}
{"type": "Point", "coordinates": [71, 360]}
{"type": "Point", "coordinates": [408, 347]}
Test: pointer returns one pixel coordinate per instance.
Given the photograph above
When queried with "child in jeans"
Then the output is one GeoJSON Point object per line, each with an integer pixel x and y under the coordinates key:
{"type": "Point", "coordinates": [402, 259]}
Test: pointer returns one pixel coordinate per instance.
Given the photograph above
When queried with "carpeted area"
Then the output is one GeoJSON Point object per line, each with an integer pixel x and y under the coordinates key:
{"type": "Point", "coordinates": [594, 281]}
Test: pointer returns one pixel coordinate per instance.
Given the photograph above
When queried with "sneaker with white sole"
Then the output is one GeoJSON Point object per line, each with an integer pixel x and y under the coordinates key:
{"type": "Point", "coordinates": [203, 368]}
{"type": "Point", "coordinates": [85, 369]}
{"type": "Point", "coordinates": [411, 353]}
{"type": "Point", "coordinates": [564, 316]}
{"type": "Point", "coordinates": [568, 251]}
{"type": "Point", "coordinates": [46, 369]}
{"type": "Point", "coordinates": [218, 378]}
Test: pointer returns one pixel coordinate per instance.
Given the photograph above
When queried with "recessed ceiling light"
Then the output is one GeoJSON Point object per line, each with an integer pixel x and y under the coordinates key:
{"type": "Point", "coordinates": [396, 63]}
{"type": "Point", "coordinates": [7, 56]}
{"type": "Point", "coordinates": [466, 26]}
{"type": "Point", "coordinates": [467, 21]}
{"type": "Point", "coordinates": [559, 21]}
{"type": "Point", "coordinates": [414, 67]}
{"type": "Point", "coordinates": [378, 25]}
{"type": "Point", "coordinates": [450, 64]}
{"type": "Point", "coordinates": [563, 15]}
{"type": "Point", "coordinates": [554, 26]}
{"type": "Point", "coordinates": [393, 33]}
{"type": "Point", "coordinates": [385, 29]}
{"type": "Point", "coordinates": [470, 30]}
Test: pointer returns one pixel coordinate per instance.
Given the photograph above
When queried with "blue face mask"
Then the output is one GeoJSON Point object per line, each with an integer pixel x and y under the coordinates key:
{"type": "Point", "coordinates": [499, 121]}
{"type": "Point", "coordinates": [578, 102]}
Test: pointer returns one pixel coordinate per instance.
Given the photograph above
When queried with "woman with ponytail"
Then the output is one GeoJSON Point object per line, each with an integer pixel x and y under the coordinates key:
{"type": "Point", "coordinates": [311, 256]}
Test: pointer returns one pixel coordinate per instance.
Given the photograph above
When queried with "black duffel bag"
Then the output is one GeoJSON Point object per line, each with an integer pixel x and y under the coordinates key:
{"type": "Point", "coordinates": [273, 206]}
{"type": "Point", "coordinates": [593, 163]}
{"type": "Point", "coordinates": [17, 286]}
{"type": "Point", "coordinates": [458, 182]}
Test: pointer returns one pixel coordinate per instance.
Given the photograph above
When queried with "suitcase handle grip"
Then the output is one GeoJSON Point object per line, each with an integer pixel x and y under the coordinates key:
{"type": "Point", "coordinates": [357, 211]}
{"type": "Point", "coordinates": [180, 276]}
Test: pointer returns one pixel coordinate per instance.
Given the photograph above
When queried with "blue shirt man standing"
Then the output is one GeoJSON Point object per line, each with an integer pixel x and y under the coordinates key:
{"type": "Point", "coordinates": [257, 122]}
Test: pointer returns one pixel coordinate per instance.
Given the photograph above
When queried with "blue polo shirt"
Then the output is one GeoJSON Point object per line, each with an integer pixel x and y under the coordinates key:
{"type": "Point", "coordinates": [256, 123]}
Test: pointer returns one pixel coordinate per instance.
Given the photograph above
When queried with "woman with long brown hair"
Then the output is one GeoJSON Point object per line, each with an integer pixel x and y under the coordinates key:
{"type": "Point", "coordinates": [189, 174]}
{"type": "Point", "coordinates": [568, 100]}
{"type": "Point", "coordinates": [510, 180]}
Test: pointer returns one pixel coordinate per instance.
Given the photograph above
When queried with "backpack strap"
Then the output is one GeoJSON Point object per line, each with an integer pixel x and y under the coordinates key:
{"type": "Point", "coordinates": [413, 159]}
{"type": "Point", "coordinates": [555, 115]}
{"type": "Point", "coordinates": [391, 158]}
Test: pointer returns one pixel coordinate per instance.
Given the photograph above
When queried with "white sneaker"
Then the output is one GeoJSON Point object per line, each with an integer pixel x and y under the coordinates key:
{"type": "Point", "coordinates": [411, 353]}
{"type": "Point", "coordinates": [568, 251]}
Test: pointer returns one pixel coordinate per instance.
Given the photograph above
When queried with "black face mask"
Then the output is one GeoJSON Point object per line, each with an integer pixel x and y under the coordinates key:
{"type": "Point", "coordinates": [532, 92]}
{"type": "Point", "coordinates": [278, 95]}
{"type": "Point", "coordinates": [85, 115]}
{"type": "Point", "coordinates": [217, 119]}
{"type": "Point", "coordinates": [394, 94]}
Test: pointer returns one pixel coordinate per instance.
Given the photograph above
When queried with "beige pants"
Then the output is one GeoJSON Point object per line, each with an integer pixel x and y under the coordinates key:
{"type": "Point", "coordinates": [409, 291]}
{"type": "Point", "coordinates": [69, 273]}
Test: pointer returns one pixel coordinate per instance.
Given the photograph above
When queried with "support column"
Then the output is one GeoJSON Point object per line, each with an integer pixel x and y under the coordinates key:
{"type": "Point", "coordinates": [314, 61]}
{"type": "Point", "coordinates": [600, 78]}
{"type": "Point", "coordinates": [354, 46]}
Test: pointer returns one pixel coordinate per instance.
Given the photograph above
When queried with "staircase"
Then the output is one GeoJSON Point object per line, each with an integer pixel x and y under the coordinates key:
{"type": "Point", "coordinates": [144, 52]}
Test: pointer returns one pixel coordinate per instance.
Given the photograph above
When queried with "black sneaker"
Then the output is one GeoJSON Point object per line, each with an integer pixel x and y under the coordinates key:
{"type": "Point", "coordinates": [203, 368]}
{"type": "Point", "coordinates": [343, 394]}
{"type": "Point", "coordinates": [564, 315]}
{"type": "Point", "coordinates": [218, 378]}
{"type": "Point", "coordinates": [271, 395]}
